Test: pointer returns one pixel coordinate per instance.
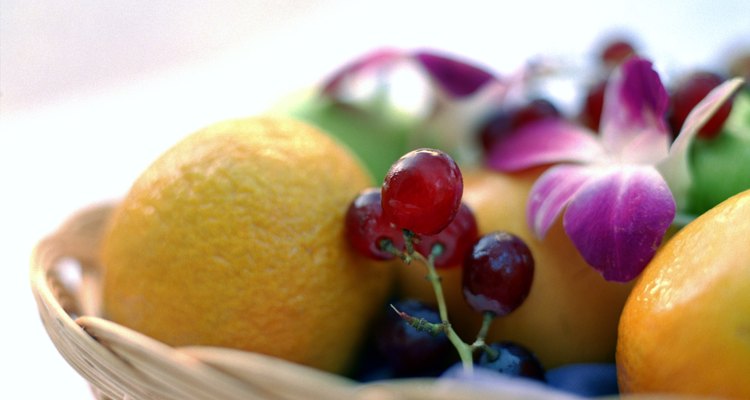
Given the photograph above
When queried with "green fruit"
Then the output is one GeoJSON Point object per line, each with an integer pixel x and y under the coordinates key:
{"type": "Point", "coordinates": [378, 135]}
{"type": "Point", "coordinates": [721, 166]}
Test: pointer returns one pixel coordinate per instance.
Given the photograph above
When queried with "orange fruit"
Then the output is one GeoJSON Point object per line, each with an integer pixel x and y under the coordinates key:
{"type": "Point", "coordinates": [235, 237]}
{"type": "Point", "coordinates": [571, 313]}
{"type": "Point", "coordinates": [686, 326]}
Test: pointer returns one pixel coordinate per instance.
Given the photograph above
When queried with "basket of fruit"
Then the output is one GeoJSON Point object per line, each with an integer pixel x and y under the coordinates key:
{"type": "Point", "coordinates": [70, 282]}
{"type": "Point", "coordinates": [342, 248]}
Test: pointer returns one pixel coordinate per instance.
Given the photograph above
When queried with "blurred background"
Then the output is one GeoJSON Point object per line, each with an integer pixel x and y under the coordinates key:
{"type": "Point", "coordinates": [92, 91]}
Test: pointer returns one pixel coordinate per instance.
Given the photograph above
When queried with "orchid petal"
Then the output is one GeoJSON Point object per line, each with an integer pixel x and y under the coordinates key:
{"type": "Point", "coordinates": [457, 78]}
{"type": "Point", "coordinates": [633, 122]}
{"type": "Point", "coordinates": [552, 192]}
{"type": "Point", "coordinates": [618, 220]}
{"type": "Point", "coordinates": [544, 142]}
{"type": "Point", "coordinates": [378, 60]}
{"type": "Point", "coordinates": [675, 167]}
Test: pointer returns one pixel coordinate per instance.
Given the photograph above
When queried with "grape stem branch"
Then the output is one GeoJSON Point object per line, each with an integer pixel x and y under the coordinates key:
{"type": "Point", "coordinates": [465, 350]}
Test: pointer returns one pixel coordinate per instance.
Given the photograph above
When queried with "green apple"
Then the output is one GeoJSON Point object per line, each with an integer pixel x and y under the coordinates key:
{"type": "Point", "coordinates": [720, 166]}
{"type": "Point", "coordinates": [377, 133]}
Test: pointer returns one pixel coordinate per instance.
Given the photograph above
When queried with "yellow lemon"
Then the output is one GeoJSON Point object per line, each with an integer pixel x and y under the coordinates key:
{"type": "Point", "coordinates": [235, 237]}
{"type": "Point", "coordinates": [571, 313]}
{"type": "Point", "coordinates": [686, 326]}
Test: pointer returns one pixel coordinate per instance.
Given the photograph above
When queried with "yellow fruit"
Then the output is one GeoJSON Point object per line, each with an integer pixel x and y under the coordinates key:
{"type": "Point", "coordinates": [686, 326]}
{"type": "Point", "coordinates": [571, 313]}
{"type": "Point", "coordinates": [234, 237]}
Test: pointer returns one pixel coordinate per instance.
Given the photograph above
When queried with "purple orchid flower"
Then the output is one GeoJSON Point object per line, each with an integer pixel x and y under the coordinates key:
{"type": "Point", "coordinates": [455, 78]}
{"type": "Point", "coordinates": [457, 94]}
{"type": "Point", "coordinates": [616, 190]}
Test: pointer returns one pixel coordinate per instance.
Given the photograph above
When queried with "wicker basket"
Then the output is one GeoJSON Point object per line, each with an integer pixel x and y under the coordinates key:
{"type": "Point", "coordinates": [120, 363]}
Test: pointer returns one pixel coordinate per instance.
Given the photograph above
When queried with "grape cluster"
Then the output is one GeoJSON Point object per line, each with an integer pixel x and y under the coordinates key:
{"type": "Point", "coordinates": [418, 214]}
{"type": "Point", "coordinates": [421, 195]}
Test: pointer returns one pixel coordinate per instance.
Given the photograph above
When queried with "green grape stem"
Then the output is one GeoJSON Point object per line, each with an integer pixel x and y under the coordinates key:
{"type": "Point", "coordinates": [479, 343]}
{"type": "Point", "coordinates": [465, 351]}
{"type": "Point", "coordinates": [419, 324]}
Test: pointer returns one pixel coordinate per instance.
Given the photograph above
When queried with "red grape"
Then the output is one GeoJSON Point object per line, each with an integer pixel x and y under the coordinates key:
{"type": "Point", "coordinates": [497, 274]}
{"type": "Point", "coordinates": [422, 191]}
{"type": "Point", "coordinates": [614, 53]}
{"type": "Point", "coordinates": [456, 239]}
{"type": "Point", "coordinates": [366, 229]}
{"type": "Point", "coordinates": [690, 91]}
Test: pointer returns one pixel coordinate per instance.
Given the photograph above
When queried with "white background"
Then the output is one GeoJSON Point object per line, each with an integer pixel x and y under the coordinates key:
{"type": "Point", "coordinates": [92, 91]}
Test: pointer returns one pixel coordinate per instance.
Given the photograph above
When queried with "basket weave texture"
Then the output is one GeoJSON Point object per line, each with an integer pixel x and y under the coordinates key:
{"type": "Point", "coordinates": [120, 363]}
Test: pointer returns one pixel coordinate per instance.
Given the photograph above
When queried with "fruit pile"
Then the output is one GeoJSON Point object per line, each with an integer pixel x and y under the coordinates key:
{"type": "Point", "coordinates": [568, 328]}
{"type": "Point", "coordinates": [482, 229]}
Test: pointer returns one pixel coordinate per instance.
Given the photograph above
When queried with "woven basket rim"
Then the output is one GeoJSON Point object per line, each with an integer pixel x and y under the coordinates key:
{"type": "Point", "coordinates": [120, 363]}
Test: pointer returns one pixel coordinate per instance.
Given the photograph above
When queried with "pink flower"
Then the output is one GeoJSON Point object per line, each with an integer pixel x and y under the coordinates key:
{"type": "Point", "coordinates": [617, 191]}
{"type": "Point", "coordinates": [454, 94]}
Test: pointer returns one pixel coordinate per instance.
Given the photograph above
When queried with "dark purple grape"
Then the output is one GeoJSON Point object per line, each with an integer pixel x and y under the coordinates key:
{"type": "Point", "coordinates": [535, 110]}
{"type": "Point", "coordinates": [587, 379]}
{"type": "Point", "coordinates": [367, 230]}
{"type": "Point", "coordinates": [508, 119]}
{"type": "Point", "coordinates": [593, 104]}
{"type": "Point", "coordinates": [688, 92]}
{"type": "Point", "coordinates": [456, 239]}
{"type": "Point", "coordinates": [512, 359]}
{"type": "Point", "coordinates": [408, 351]}
{"type": "Point", "coordinates": [616, 52]}
{"type": "Point", "coordinates": [422, 191]}
{"type": "Point", "coordinates": [497, 273]}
